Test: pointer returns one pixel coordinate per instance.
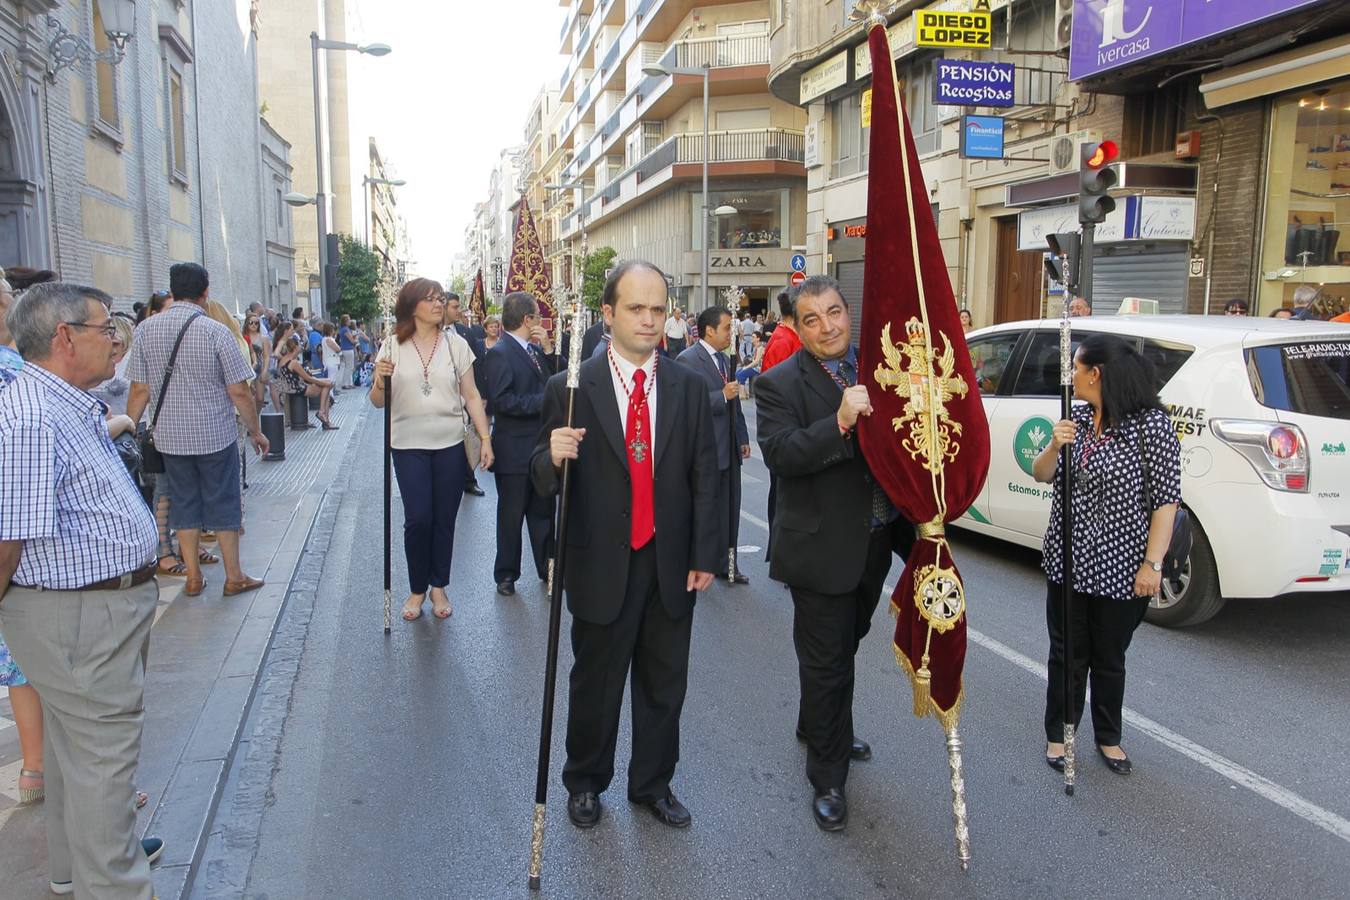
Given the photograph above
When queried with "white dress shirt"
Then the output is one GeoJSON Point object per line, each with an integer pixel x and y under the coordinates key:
{"type": "Point", "coordinates": [715, 353]}
{"type": "Point", "coordinates": [623, 383]}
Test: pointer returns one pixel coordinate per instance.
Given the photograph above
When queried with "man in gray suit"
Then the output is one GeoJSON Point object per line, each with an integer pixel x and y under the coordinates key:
{"type": "Point", "coordinates": [709, 358]}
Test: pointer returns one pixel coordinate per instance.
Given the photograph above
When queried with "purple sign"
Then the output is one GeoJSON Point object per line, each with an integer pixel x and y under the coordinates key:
{"type": "Point", "coordinates": [969, 82]}
{"type": "Point", "coordinates": [1108, 34]}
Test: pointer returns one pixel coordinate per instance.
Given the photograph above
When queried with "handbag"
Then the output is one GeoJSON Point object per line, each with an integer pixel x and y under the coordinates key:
{"type": "Point", "coordinates": [152, 461]}
{"type": "Point", "coordinates": [1179, 548]}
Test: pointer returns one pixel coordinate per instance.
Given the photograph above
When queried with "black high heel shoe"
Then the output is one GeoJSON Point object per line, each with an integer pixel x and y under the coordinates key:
{"type": "Point", "coordinates": [1119, 766]}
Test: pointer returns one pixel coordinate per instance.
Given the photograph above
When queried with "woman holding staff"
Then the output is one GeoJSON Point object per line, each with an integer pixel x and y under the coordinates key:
{"type": "Point", "coordinates": [431, 381]}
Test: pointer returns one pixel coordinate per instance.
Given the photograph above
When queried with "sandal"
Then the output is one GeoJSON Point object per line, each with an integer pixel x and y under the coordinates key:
{"type": "Point", "coordinates": [179, 568]}
{"type": "Point", "coordinates": [442, 612]}
{"type": "Point", "coordinates": [412, 614]}
{"type": "Point", "coordinates": [30, 795]}
{"type": "Point", "coordinates": [206, 557]}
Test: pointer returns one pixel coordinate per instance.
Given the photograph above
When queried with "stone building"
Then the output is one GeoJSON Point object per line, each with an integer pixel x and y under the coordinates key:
{"type": "Point", "coordinates": [276, 153]}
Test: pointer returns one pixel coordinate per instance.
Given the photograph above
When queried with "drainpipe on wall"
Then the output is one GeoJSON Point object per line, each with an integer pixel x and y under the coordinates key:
{"type": "Point", "coordinates": [1213, 209]}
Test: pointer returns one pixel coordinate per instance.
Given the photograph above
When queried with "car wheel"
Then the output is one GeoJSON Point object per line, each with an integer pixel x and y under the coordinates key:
{"type": "Point", "coordinates": [1193, 596]}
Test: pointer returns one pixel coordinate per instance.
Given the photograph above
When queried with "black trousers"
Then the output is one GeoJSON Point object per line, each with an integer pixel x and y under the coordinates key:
{"type": "Point", "coordinates": [517, 501]}
{"type": "Point", "coordinates": [657, 648]}
{"type": "Point", "coordinates": [429, 481]}
{"type": "Point", "coordinates": [1102, 628]}
{"type": "Point", "coordinates": [728, 506]}
{"type": "Point", "coordinates": [827, 630]}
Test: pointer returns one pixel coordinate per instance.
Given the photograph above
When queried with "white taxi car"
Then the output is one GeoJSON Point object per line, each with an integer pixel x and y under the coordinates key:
{"type": "Point", "coordinates": [1262, 410]}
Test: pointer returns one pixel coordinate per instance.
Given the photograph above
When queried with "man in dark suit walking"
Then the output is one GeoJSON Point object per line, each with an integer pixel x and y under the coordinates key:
{"type": "Point", "coordinates": [834, 530]}
{"type": "Point", "coordinates": [708, 357]}
{"type": "Point", "coordinates": [641, 543]}
{"type": "Point", "coordinates": [515, 371]}
{"type": "Point", "coordinates": [453, 317]}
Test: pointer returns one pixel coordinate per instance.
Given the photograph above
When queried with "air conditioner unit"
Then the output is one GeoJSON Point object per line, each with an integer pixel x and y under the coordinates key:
{"type": "Point", "coordinates": [1064, 150]}
{"type": "Point", "coordinates": [1063, 25]}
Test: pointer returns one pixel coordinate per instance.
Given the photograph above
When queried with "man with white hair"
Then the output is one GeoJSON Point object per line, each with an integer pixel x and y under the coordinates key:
{"type": "Point", "coordinates": [1304, 295]}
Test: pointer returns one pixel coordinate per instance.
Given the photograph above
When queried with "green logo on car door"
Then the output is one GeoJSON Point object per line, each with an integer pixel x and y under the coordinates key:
{"type": "Point", "coordinates": [1030, 439]}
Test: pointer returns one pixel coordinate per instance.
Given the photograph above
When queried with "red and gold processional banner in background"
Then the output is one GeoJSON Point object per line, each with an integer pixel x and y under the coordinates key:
{"type": "Point", "coordinates": [927, 441]}
{"type": "Point", "coordinates": [528, 271]}
{"type": "Point", "coordinates": [478, 300]}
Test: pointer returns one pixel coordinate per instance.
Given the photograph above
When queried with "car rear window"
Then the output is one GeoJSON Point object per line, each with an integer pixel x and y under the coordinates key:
{"type": "Point", "coordinates": [1308, 377]}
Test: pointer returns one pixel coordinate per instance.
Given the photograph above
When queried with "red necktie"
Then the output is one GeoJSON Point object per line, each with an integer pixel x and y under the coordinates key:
{"type": "Point", "coordinates": [638, 438]}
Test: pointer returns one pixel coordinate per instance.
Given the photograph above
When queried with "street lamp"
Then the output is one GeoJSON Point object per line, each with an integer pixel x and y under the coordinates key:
{"type": "Point", "coordinates": [66, 49]}
{"type": "Point", "coordinates": [320, 201]}
{"type": "Point", "coordinates": [367, 181]}
{"type": "Point", "coordinates": [659, 70]}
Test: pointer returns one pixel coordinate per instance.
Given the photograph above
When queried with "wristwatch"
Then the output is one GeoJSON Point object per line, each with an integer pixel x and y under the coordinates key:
{"type": "Point", "coordinates": [1155, 566]}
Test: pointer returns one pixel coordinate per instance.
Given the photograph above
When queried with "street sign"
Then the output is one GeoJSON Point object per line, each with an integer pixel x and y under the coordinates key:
{"type": "Point", "coordinates": [981, 137]}
{"type": "Point", "coordinates": [970, 82]}
{"type": "Point", "coordinates": [933, 28]}
{"type": "Point", "coordinates": [798, 277]}
{"type": "Point", "coordinates": [798, 262]}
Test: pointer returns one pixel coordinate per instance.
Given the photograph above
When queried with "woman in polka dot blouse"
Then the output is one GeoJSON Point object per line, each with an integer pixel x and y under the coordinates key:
{"type": "Point", "coordinates": [1118, 543]}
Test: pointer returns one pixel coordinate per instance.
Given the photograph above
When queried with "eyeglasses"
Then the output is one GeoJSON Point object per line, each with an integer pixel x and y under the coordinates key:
{"type": "Point", "coordinates": [435, 298]}
{"type": "Point", "coordinates": [108, 329]}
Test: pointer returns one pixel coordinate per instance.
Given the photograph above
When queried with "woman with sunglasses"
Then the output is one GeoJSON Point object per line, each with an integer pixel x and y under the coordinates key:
{"type": "Point", "coordinates": [431, 371]}
{"type": "Point", "coordinates": [261, 345]}
{"type": "Point", "coordinates": [299, 381]}
{"type": "Point", "coordinates": [1127, 485]}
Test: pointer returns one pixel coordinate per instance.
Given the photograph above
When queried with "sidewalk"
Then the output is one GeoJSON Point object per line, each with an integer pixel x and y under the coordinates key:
{"type": "Point", "coordinates": [205, 654]}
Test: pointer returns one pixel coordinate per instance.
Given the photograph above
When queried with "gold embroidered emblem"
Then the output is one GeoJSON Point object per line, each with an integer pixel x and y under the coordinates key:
{"type": "Point", "coordinates": [916, 371]}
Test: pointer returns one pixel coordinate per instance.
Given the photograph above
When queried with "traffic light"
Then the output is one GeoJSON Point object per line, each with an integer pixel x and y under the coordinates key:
{"type": "Point", "coordinates": [1063, 268]}
{"type": "Point", "coordinates": [1095, 178]}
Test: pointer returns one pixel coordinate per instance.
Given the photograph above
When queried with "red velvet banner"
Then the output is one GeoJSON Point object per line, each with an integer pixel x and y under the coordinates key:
{"type": "Point", "coordinates": [927, 441]}
{"type": "Point", "coordinates": [528, 271]}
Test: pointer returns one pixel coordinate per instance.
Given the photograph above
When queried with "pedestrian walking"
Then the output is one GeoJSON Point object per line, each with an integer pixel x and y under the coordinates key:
{"type": "Point", "coordinates": [193, 423]}
{"type": "Point", "coordinates": [453, 319]}
{"type": "Point", "coordinates": [492, 329]}
{"type": "Point", "coordinates": [333, 364]}
{"type": "Point", "coordinates": [746, 375]}
{"type": "Point", "coordinates": [1127, 488]}
{"type": "Point", "coordinates": [676, 333]}
{"type": "Point", "coordinates": [834, 531]}
{"type": "Point", "coordinates": [431, 370]}
{"type": "Point", "coordinates": [260, 348]}
{"type": "Point", "coordinates": [77, 588]}
{"type": "Point", "coordinates": [636, 558]}
{"type": "Point", "coordinates": [515, 371]}
{"type": "Point", "coordinates": [784, 341]}
{"type": "Point", "coordinates": [346, 341]}
{"type": "Point", "coordinates": [709, 359]}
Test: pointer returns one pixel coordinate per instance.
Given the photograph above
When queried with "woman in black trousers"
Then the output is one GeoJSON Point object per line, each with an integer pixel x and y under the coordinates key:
{"type": "Point", "coordinates": [432, 385]}
{"type": "Point", "coordinates": [1121, 529]}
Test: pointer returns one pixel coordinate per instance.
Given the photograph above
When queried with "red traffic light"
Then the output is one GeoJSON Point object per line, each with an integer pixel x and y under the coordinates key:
{"type": "Point", "coordinates": [1103, 154]}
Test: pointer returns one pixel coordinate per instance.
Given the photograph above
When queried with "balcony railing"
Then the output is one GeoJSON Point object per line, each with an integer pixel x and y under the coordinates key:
{"type": "Point", "coordinates": [611, 56]}
{"type": "Point", "coordinates": [719, 52]}
{"type": "Point", "coordinates": [743, 146]}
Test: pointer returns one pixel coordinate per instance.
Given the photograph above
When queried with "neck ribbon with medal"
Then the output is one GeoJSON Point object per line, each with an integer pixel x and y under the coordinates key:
{"type": "Point", "coordinates": [638, 446]}
{"type": "Point", "coordinates": [426, 362]}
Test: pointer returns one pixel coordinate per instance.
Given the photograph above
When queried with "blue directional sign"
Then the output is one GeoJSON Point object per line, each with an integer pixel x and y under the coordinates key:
{"type": "Point", "coordinates": [798, 262]}
{"type": "Point", "coordinates": [981, 137]}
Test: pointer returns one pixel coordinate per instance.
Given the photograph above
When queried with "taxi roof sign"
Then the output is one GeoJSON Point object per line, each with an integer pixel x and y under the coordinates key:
{"type": "Point", "coordinates": [939, 28]}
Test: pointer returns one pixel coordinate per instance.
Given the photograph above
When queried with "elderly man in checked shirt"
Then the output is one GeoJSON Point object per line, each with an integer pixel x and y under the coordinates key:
{"type": "Point", "coordinates": [77, 588]}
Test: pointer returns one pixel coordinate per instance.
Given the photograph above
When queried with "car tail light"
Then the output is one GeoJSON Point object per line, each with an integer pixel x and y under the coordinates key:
{"type": "Point", "coordinates": [1278, 452]}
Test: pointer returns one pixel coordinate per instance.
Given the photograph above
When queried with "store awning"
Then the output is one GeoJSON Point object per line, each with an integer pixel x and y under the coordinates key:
{"type": "Point", "coordinates": [1276, 74]}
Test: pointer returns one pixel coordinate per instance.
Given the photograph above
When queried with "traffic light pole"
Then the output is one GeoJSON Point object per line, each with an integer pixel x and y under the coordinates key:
{"type": "Point", "coordinates": [1085, 263]}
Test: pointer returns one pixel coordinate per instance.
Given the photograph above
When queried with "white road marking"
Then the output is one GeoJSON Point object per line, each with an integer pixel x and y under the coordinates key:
{"type": "Point", "coordinates": [1303, 808]}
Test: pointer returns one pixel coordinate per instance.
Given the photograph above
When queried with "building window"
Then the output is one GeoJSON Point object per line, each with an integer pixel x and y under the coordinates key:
{"type": "Point", "coordinates": [105, 76]}
{"type": "Point", "coordinates": [1151, 121]}
{"type": "Point", "coordinates": [177, 130]}
{"type": "Point", "coordinates": [849, 140]}
{"type": "Point", "coordinates": [281, 211]}
{"type": "Point", "coordinates": [916, 83]}
{"type": "Point", "coordinates": [1305, 248]}
{"type": "Point", "coordinates": [742, 119]}
{"type": "Point", "coordinates": [760, 220]}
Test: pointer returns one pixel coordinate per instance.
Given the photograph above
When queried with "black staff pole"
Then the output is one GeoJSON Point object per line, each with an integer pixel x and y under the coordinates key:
{"type": "Point", "coordinates": [388, 494]}
{"type": "Point", "coordinates": [554, 617]}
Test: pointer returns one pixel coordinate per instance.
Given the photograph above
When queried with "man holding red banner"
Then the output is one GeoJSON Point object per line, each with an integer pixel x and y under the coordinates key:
{"type": "Point", "coordinates": [829, 507]}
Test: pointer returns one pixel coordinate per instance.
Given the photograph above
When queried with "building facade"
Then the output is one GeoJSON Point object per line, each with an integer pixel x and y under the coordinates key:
{"type": "Point", "coordinates": [635, 134]}
{"type": "Point", "coordinates": [276, 157]}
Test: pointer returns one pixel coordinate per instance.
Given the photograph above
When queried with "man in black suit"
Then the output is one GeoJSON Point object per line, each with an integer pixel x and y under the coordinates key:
{"type": "Point", "coordinates": [834, 530]}
{"type": "Point", "coordinates": [453, 317]}
{"type": "Point", "coordinates": [641, 542]}
{"type": "Point", "coordinates": [708, 357]}
{"type": "Point", "coordinates": [515, 371]}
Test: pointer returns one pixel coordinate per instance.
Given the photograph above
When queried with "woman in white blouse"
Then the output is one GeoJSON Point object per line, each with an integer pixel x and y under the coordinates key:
{"type": "Point", "coordinates": [432, 383]}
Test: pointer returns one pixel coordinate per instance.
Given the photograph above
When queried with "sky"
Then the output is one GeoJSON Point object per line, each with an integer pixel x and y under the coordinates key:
{"type": "Point", "coordinates": [453, 93]}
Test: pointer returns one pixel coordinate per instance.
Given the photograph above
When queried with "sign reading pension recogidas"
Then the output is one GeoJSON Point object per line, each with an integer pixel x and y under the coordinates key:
{"type": "Point", "coordinates": [967, 82]}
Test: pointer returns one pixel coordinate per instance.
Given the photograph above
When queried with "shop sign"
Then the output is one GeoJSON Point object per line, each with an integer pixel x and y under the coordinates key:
{"type": "Point", "coordinates": [812, 144]}
{"type": "Point", "coordinates": [865, 108]}
{"type": "Point", "coordinates": [827, 76]}
{"type": "Point", "coordinates": [1134, 218]}
{"type": "Point", "coordinates": [1163, 218]}
{"type": "Point", "coordinates": [901, 35]}
{"type": "Point", "coordinates": [981, 137]}
{"type": "Point", "coordinates": [1034, 224]}
{"type": "Point", "coordinates": [967, 82]}
{"type": "Point", "coordinates": [938, 28]}
{"type": "Point", "coordinates": [1108, 34]}
{"type": "Point", "coordinates": [747, 261]}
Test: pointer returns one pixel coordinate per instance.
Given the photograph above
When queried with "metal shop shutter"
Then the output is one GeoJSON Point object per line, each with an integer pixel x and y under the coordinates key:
{"type": "Point", "coordinates": [1155, 273]}
{"type": "Point", "coordinates": [850, 278]}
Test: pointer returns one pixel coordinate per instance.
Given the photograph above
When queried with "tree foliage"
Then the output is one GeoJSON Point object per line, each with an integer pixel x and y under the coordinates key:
{"type": "Point", "coordinates": [358, 281]}
{"type": "Point", "coordinates": [596, 264]}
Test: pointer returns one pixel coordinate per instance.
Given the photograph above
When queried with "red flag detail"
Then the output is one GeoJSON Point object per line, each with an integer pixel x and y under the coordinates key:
{"type": "Point", "coordinates": [528, 271]}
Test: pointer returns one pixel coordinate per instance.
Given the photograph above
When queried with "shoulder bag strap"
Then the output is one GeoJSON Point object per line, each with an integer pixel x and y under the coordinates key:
{"type": "Point", "coordinates": [168, 372]}
{"type": "Point", "coordinates": [1144, 469]}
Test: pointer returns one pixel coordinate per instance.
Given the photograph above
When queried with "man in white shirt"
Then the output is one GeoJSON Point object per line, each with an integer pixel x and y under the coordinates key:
{"type": "Point", "coordinates": [675, 333]}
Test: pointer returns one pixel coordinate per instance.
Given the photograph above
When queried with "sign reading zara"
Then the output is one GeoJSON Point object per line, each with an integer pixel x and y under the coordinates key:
{"type": "Point", "coordinates": [982, 137]}
{"type": "Point", "coordinates": [969, 82]}
{"type": "Point", "coordinates": [1108, 34]}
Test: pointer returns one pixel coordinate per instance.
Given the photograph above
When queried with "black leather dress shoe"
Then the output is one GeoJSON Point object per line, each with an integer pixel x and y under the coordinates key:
{"type": "Point", "coordinates": [858, 751]}
{"type": "Point", "coordinates": [1119, 766]}
{"type": "Point", "coordinates": [669, 811]}
{"type": "Point", "coordinates": [830, 809]}
{"type": "Point", "coordinates": [507, 588]}
{"type": "Point", "coordinates": [584, 809]}
{"type": "Point", "coordinates": [1055, 762]}
{"type": "Point", "coordinates": [475, 490]}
